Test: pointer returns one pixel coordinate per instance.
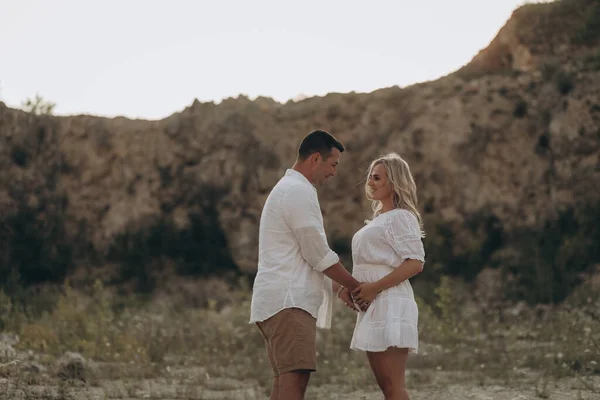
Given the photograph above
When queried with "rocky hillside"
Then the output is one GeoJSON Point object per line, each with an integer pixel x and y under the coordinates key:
{"type": "Point", "coordinates": [505, 153]}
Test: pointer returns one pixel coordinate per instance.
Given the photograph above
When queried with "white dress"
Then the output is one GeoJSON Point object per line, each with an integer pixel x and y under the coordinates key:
{"type": "Point", "coordinates": [377, 249]}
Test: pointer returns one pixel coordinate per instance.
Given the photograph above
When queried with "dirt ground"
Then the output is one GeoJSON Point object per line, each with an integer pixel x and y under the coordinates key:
{"type": "Point", "coordinates": [34, 381]}
{"type": "Point", "coordinates": [84, 350]}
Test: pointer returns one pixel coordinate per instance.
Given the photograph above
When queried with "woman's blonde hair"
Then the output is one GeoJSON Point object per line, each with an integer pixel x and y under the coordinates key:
{"type": "Point", "coordinates": [402, 182]}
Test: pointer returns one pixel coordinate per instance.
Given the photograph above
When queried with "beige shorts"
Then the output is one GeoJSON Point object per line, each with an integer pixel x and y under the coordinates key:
{"type": "Point", "coordinates": [290, 337]}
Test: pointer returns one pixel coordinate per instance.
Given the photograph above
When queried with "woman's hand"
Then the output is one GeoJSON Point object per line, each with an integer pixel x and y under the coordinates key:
{"type": "Point", "coordinates": [365, 294]}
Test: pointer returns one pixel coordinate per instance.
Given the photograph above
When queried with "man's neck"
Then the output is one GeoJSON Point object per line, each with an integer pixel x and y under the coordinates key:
{"type": "Point", "coordinates": [298, 167]}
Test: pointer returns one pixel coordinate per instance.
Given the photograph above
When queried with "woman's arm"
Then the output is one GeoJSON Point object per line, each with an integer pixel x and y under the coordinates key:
{"type": "Point", "coordinates": [406, 270]}
{"type": "Point", "coordinates": [367, 291]}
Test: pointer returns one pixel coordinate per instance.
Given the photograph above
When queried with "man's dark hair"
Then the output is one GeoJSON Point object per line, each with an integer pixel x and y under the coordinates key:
{"type": "Point", "coordinates": [318, 142]}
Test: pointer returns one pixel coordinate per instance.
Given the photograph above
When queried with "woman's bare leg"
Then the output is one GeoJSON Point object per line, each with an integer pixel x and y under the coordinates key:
{"type": "Point", "coordinates": [389, 369]}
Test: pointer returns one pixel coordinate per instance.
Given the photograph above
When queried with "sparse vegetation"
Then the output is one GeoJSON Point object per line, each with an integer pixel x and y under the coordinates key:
{"type": "Point", "coordinates": [19, 156]}
{"type": "Point", "coordinates": [590, 33]}
{"type": "Point", "coordinates": [564, 82]}
{"type": "Point", "coordinates": [553, 72]}
{"type": "Point", "coordinates": [593, 60]}
{"type": "Point", "coordinates": [520, 109]}
{"type": "Point", "coordinates": [146, 252]}
{"type": "Point", "coordinates": [534, 331]}
{"type": "Point", "coordinates": [541, 265]}
{"type": "Point", "coordinates": [35, 248]}
{"type": "Point", "coordinates": [521, 347]}
{"type": "Point", "coordinates": [549, 263]}
{"type": "Point", "coordinates": [38, 105]}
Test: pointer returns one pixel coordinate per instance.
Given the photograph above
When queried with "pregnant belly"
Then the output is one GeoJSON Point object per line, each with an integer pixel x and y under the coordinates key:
{"type": "Point", "coordinates": [369, 273]}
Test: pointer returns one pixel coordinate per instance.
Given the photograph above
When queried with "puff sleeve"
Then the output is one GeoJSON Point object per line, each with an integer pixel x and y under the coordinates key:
{"type": "Point", "coordinates": [404, 235]}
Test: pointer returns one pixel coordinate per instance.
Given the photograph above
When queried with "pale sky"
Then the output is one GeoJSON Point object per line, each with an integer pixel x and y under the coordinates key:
{"type": "Point", "coordinates": [149, 59]}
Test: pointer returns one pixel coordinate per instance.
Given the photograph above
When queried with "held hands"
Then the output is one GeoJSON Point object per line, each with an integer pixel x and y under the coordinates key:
{"type": "Point", "coordinates": [351, 301]}
{"type": "Point", "coordinates": [344, 295]}
{"type": "Point", "coordinates": [360, 298]}
{"type": "Point", "coordinates": [364, 295]}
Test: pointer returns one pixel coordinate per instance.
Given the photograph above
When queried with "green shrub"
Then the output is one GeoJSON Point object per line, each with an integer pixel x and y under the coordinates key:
{"type": "Point", "coordinates": [463, 256]}
{"type": "Point", "coordinates": [550, 260]}
{"type": "Point", "coordinates": [552, 72]}
{"type": "Point", "coordinates": [542, 265]}
{"type": "Point", "coordinates": [36, 248]}
{"type": "Point", "coordinates": [564, 82]}
{"type": "Point", "coordinates": [590, 32]}
{"type": "Point", "coordinates": [520, 109]}
{"type": "Point", "coordinates": [200, 249]}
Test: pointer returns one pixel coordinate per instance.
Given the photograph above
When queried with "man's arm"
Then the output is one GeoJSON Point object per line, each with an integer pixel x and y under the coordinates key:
{"type": "Point", "coordinates": [343, 293]}
{"type": "Point", "coordinates": [303, 215]}
{"type": "Point", "coordinates": [340, 276]}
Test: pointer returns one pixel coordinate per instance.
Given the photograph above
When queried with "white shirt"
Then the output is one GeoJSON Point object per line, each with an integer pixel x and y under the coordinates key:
{"type": "Point", "coordinates": [293, 253]}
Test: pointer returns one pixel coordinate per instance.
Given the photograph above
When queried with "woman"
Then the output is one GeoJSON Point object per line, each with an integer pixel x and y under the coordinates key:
{"type": "Point", "coordinates": [386, 252]}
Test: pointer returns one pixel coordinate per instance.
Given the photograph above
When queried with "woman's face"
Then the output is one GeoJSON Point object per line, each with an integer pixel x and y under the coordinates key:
{"type": "Point", "coordinates": [379, 184]}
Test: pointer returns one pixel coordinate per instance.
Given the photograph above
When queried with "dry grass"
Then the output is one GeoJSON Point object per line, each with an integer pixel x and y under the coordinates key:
{"type": "Point", "coordinates": [189, 349]}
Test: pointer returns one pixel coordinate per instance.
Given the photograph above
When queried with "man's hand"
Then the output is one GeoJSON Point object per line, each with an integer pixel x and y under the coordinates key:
{"type": "Point", "coordinates": [345, 297]}
{"type": "Point", "coordinates": [365, 294]}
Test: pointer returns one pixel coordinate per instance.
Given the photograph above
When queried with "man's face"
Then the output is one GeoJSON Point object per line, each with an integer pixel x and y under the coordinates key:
{"type": "Point", "coordinates": [326, 168]}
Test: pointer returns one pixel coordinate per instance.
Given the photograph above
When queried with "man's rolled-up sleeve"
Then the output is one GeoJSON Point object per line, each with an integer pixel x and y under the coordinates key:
{"type": "Point", "coordinates": [303, 216]}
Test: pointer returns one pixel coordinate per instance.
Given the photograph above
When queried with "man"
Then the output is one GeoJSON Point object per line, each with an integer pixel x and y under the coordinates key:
{"type": "Point", "coordinates": [297, 271]}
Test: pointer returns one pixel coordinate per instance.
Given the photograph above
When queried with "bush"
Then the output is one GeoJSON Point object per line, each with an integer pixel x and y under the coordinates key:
{"type": "Point", "coordinates": [465, 255]}
{"type": "Point", "coordinates": [550, 261]}
{"type": "Point", "coordinates": [200, 249]}
{"type": "Point", "coordinates": [38, 105]}
{"type": "Point", "coordinates": [552, 71]}
{"type": "Point", "coordinates": [520, 109]}
{"type": "Point", "coordinates": [590, 32]}
{"type": "Point", "coordinates": [541, 265]}
{"type": "Point", "coordinates": [36, 249]}
{"type": "Point", "coordinates": [564, 82]}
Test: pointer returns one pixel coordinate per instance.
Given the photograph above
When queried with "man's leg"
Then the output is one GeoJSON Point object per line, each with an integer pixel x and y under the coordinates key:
{"type": "Point", "coordinates": [292, 385]}
{"type": "Point", "coordinates": [291, 343]}
{"type": "Point", "coordinates": [275, 389]}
